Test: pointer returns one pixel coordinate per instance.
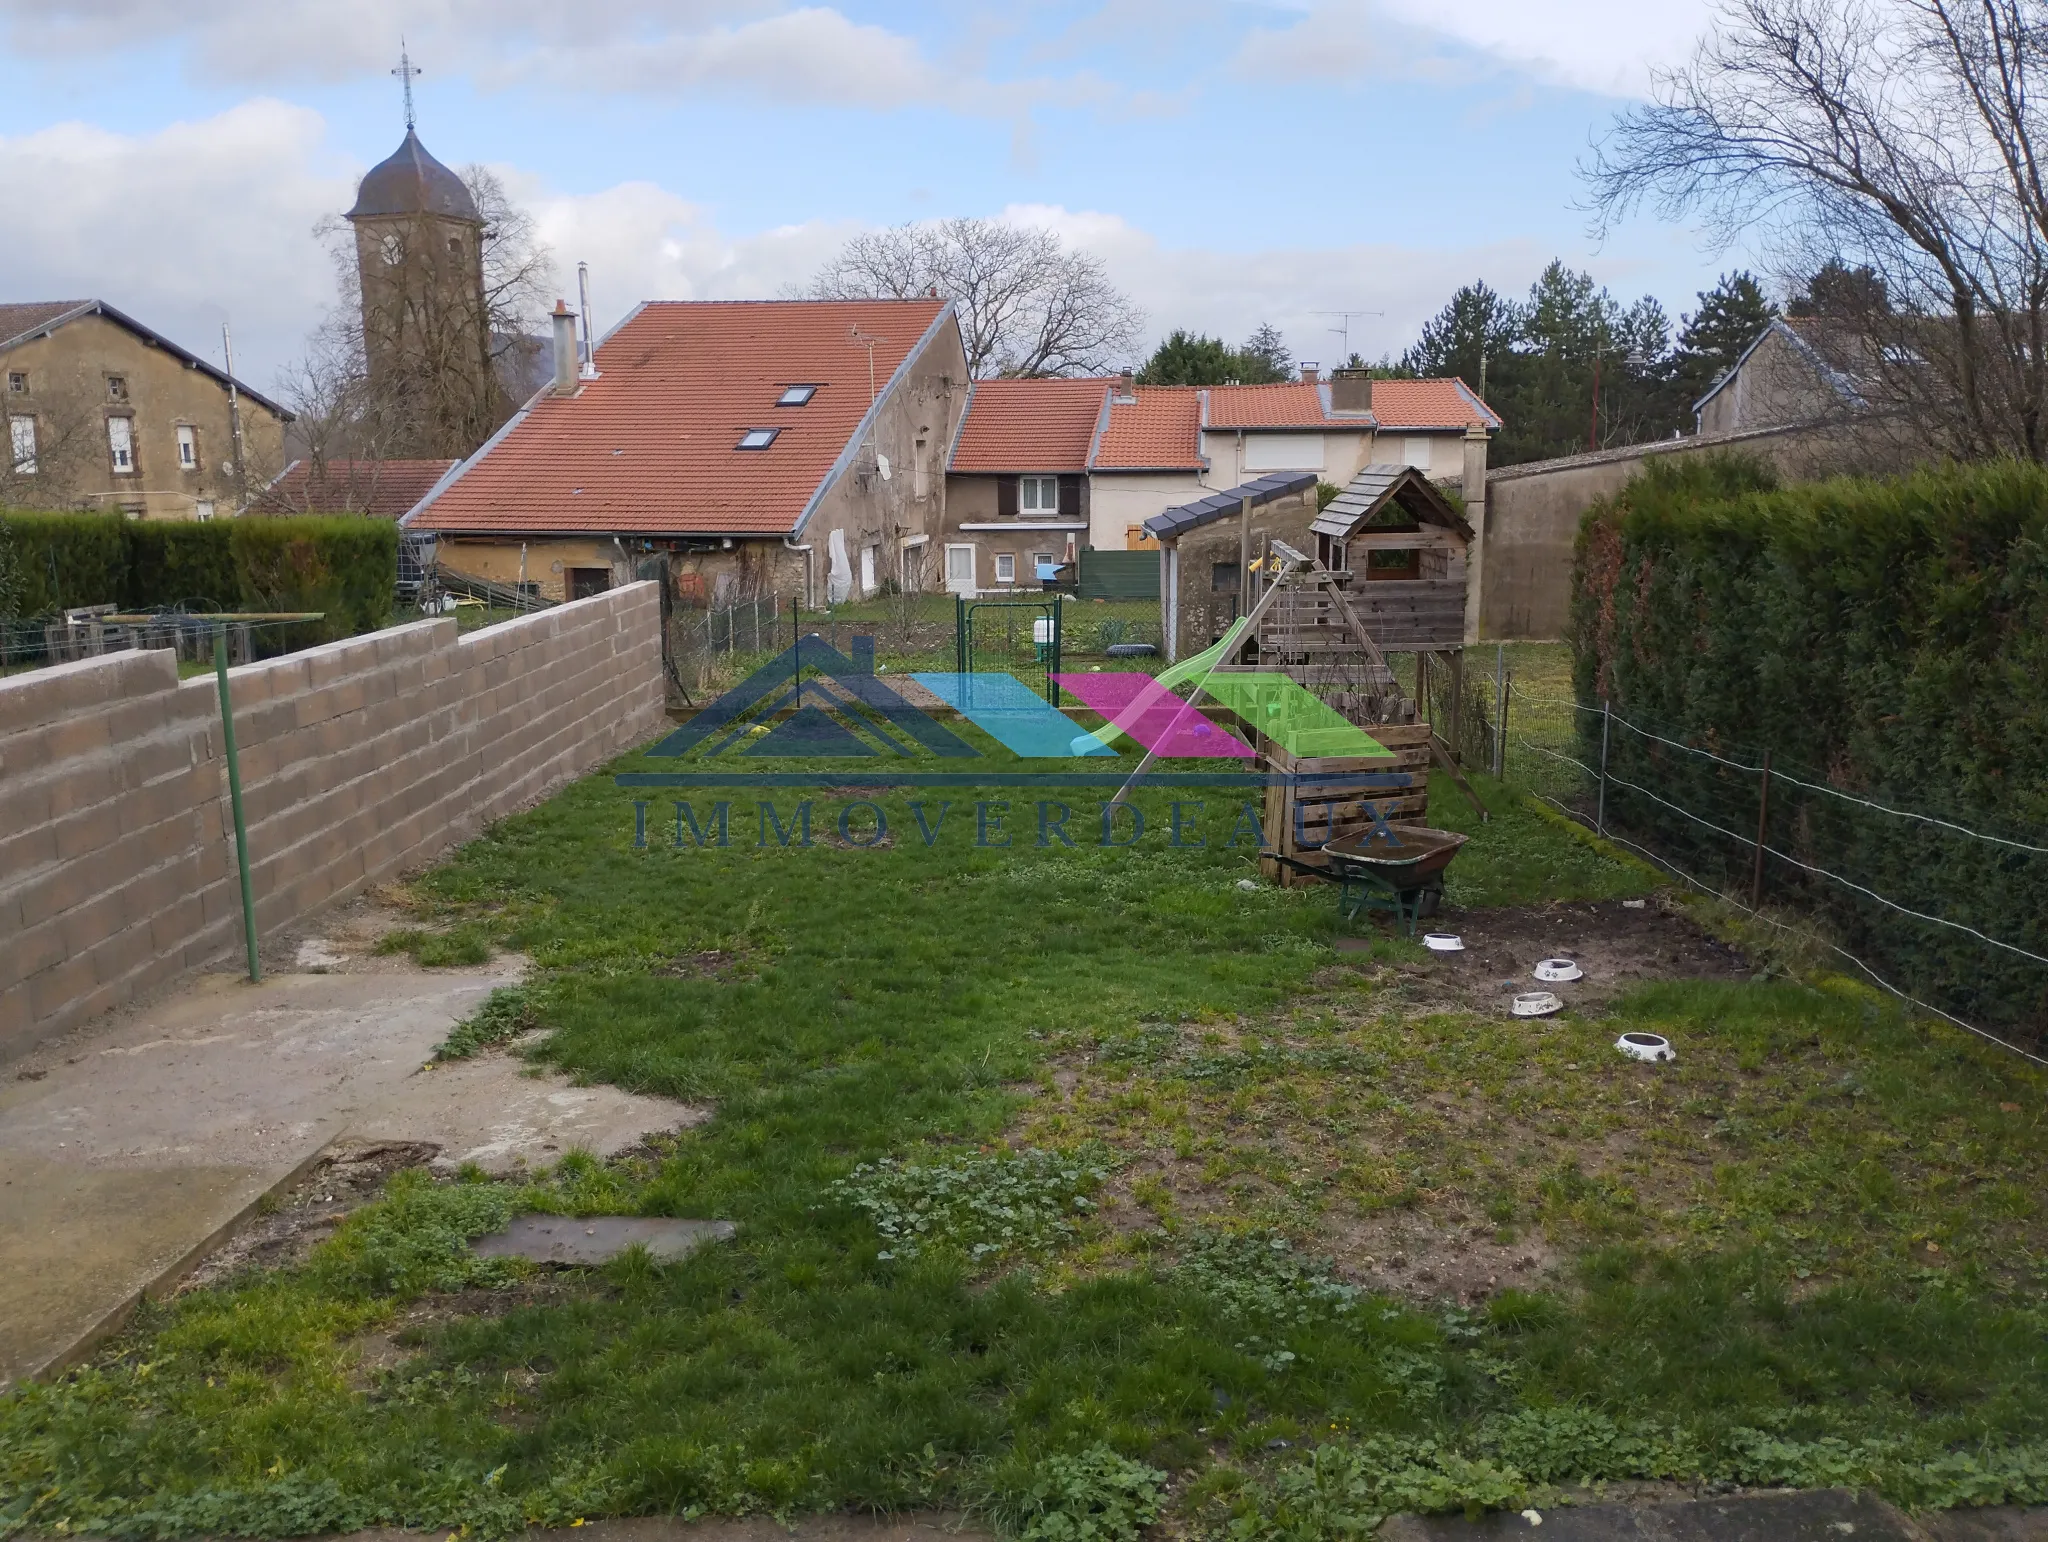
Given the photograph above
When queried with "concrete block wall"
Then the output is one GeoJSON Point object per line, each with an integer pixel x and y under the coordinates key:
{"type": "Point", "coordinates": [359, 759]}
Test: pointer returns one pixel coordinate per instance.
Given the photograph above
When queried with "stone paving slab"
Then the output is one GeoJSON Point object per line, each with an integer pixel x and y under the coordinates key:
{"type": "Point", "coordinates": [128, 1150]}
{"type": "Point", "coordinates": [597, 1239]}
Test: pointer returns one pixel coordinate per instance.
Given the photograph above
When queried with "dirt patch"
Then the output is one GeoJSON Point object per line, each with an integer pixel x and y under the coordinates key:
{"type": "Point", "coordinates": [340, 940]}
{"type": "Point", "coordinates": [282, 1235]}
{"type": "Point", "coordinates": [1396, 1119]}
{"type": "Point", "coordinates": [1617, 945]}
{"type": "Point", "coordinates": [406, 1334]}
{"type": "Point", "coordinates": [711, 965]}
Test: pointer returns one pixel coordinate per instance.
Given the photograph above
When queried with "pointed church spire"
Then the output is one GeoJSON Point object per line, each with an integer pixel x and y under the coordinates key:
{"type": "Point", "coordinates": [405, 72]}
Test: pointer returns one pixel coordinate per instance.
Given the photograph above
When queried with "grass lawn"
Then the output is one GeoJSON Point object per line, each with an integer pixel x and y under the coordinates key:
{"type": "Point", "coordinates": [1041, 1156]}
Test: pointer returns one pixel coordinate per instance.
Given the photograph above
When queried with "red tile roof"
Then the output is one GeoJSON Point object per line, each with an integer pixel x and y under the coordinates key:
{"type": "Point", "coordinates": [1442, 404]}
{"type": "Point", "coordinates": [649, 447]}
{"type": "Point", "coordinates": [1160, 431]}
{"type": "Point", "coordinates": [1291, 405]}
{"type": "Point", "coordinates": [1029, 425]}
{"type": "Point", "coordinates": [384, 488]}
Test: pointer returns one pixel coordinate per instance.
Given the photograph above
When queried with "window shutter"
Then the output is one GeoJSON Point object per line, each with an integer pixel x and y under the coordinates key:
{"type": "Point", "coordinates": [1070, 497]}
{"type": "Point", "coordinates": [1006, 497]}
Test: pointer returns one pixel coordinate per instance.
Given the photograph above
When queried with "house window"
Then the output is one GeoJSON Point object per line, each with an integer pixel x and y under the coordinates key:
{"type": "Point", "coordinates": [393, 250]}
{"type": "Point", "coordinates": [21, 441]}
{"type": "Point", "coordinates": [960, 569]}
{"type": "Point", "coordinates": [132, 510]}
{"type": "Point", "coordinates": [203, 510]}
{"type": "Point", "coordinates": [17, 381]}
{"type": "Point", "coordinates": [1223, 577]}
{"type": "Point", "coordinates": [1006, 567]}
{"type": "Point", "coordinates": [1038, 495]}
{"type": "Point", "coordinates": [121, 444]}
{"type": "Point", "coordinates": [758, 438]}
{"type": "Point", "coordinates": [117, 388]}
{"type": "Point", "coordinates": [188, 447]}
{"type": "Point", "coordinates": [1044, 565]}
{"type": "Point", "coordinates": [796, 396]}
{"type": "Point", "coordinates": [1415, 451]}
{"type": "Point", "coordinates": [920, 475]}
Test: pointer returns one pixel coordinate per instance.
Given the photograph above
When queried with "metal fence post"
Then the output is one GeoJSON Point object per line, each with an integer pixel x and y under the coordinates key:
{"type": "Point", "coordinates": [1507, 692]}
{"type": "Point", "coordinates": [1606, 723]}
{"type": "Point", "coordinates": [227, 739]}
{"type": "Point", "coordinates": [1763, 815]}
{"type": "Point", "coordinates": [1500, 710]}
{"type": "Point", "coordinates": [757, 623]}
{"type": "Point", "coordinates": [1052, 677]}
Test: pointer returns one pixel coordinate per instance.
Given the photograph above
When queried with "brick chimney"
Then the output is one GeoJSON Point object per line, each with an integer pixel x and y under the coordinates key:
{"type": "Point", "coordinates": [565, 350]}
{"type": "Point", "coordinates": [1126, 387]}
{"type": "Point", "coordinates": [1350, 390]}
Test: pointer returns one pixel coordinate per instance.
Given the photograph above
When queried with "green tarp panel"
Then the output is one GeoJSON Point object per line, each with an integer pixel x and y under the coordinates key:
{"type": "Point", "coordinates": [1119, 575]}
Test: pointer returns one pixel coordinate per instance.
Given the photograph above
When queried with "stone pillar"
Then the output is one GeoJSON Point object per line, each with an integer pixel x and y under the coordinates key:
{"type": "Point", "coordinates": [1475, 515]}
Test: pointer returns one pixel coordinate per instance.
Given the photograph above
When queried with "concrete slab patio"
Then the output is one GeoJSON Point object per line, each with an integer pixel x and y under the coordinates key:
{"type": "Point", "coordinates": [128, 1151]}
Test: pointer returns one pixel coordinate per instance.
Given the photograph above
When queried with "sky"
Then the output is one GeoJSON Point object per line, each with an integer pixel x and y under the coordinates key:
{"type": "Point", "coordinates": [1232, 164]}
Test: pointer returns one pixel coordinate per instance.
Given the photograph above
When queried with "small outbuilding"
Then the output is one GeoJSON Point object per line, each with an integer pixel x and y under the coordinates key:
{"type": "Point", "coordinates": [1407, 551]}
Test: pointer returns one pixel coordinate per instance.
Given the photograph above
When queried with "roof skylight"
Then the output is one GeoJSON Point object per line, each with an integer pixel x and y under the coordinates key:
{"type": "Point", "coordinates": [758, 438]}
{"type": "Point", "coordinates": [796, 396]}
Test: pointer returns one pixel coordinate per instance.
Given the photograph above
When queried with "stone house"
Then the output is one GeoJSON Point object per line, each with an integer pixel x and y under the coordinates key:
{"type": "Point", "coordinates": [1043, 467]}
{"type": "Point", "coordinates": [1781, 378]}
{"type": "Point", "coordinates": [106, 413]}
{"type": "Point", "coordinates": [790, 447]}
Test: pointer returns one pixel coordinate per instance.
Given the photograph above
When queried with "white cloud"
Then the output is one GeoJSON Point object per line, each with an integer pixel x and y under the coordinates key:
{"type": "Point", "coordinates": [266, 40]}
{"type": "Point", "coordinates": [1229, 294]}
{"type": "Point", "coordinates": [644, 243]}
{"type": "Point", "coordinates": [814, 55]}
{"type": "Point", "coordinates": [180, 228]}
{"type": "Point", "coordinates": [1608, 46]}
{"type": "Point", "coordinates": [810, 53]}
{"type": "Point", "coordinates": [199, 220]}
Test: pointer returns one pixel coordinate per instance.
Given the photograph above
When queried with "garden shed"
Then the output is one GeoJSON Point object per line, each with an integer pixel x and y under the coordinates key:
{"type": "Point", "coordinates": [1405, 548]}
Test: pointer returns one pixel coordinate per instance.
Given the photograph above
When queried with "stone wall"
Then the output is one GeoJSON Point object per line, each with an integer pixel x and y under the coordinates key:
{"type": "Point", "coordinates": [359, 759]}
{"type": "Point", "coordinates": [1532, 512]}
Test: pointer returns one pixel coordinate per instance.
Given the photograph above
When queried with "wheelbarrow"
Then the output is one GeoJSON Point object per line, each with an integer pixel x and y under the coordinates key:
{"type": "Point", "coordinates": [1398, 869]}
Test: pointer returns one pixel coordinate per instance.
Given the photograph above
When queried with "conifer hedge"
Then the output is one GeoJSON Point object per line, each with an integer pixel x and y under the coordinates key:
{"type": "Point", "coordinates": [1885, 638]}
{"type": "Point", "coordinates": [345, 566]}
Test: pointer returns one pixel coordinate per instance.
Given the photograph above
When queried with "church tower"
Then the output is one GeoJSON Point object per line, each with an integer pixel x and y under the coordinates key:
{"type": "Point", "coordinates": [426, 322]}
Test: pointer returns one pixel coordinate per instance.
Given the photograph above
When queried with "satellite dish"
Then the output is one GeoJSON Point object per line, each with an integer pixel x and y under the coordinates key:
{"type": "Point", "coordinates": [882, 465]}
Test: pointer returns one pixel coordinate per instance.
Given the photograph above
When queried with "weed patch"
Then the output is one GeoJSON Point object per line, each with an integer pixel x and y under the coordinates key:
{"type": "Point", "coordinates": [983, 1204]}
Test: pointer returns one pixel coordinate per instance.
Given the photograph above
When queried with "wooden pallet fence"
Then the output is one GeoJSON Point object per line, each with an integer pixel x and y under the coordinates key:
{"type": "Point", "coordinates": [1300, 819]}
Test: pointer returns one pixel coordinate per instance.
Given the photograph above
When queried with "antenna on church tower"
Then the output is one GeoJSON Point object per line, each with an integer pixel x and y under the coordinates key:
{"type": "Point", "coordinates": [405, 72]}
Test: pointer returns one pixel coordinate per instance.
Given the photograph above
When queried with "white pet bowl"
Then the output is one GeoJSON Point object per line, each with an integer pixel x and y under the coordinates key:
{"type": "Point", "coordinates": [1554, 969]}
{"type": "Point", "coordinates": [1536, 1004]}
{"type": "Point", "coordinates": [1443, 942]}
{"type": "Point", "coordinates": [1645, 1046]}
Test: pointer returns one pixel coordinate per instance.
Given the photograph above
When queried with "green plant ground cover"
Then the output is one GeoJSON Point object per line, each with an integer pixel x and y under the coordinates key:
{"type": "Point", "coordinates": [1807, 1253]}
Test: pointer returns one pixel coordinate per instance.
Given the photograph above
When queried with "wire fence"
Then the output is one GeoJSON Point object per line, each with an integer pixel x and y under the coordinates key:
{"type": "Point", "coordinates": [1942, 908]}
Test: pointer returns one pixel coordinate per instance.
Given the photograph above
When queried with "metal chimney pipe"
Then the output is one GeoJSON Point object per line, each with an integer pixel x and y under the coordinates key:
{"type": "Point", "coordinates": [589, 370]}
{"type": "Point", "coordinates": [565, 350]}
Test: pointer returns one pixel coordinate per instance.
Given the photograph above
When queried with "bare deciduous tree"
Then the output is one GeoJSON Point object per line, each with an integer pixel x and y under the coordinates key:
{"type": "Point", "coordinates": [44, 465]}
{"type": "Point", "coordinates": [1028, 305]}
{"type": "Point", "coordinates": [1893, 134]}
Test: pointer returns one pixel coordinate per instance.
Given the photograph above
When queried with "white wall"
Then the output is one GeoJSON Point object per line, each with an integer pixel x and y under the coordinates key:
{"type": "Point", "coordinates": [1118, 500]}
